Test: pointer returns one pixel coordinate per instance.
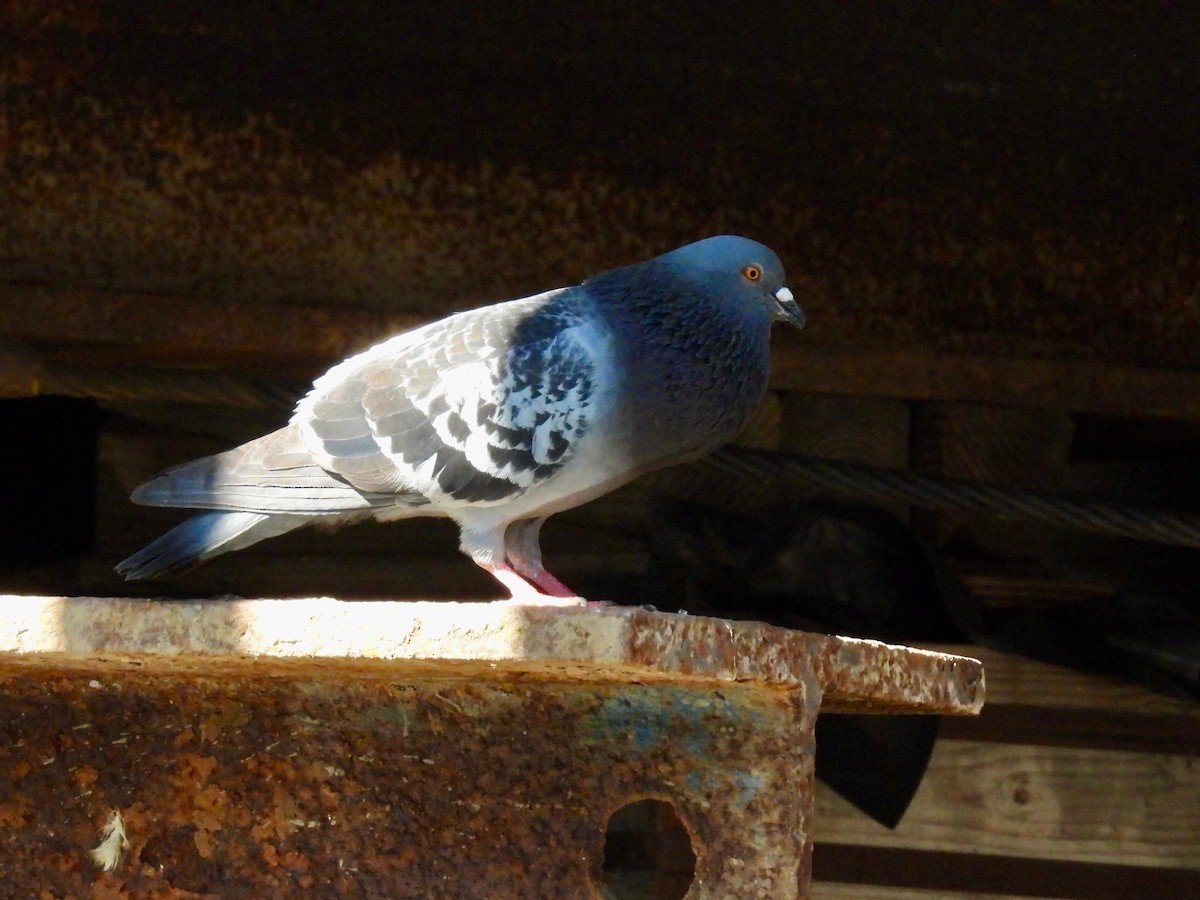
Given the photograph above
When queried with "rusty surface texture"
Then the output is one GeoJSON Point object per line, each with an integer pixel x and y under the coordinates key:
{"type": "Point", "coordinates": [387, 787]}
{"type": "Point", "coordinates": [1019, 183]}
{"type": "Point", "coordinates": [416, 750]}
{"type": "Point", "coordinates": [622, 643]}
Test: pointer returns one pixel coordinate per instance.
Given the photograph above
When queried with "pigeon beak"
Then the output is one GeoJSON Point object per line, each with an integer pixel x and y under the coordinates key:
{"type": "Point", "coordinates": [787, 309]}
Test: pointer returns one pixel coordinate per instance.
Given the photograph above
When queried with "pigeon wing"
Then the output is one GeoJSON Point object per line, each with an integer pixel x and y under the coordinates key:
{"type": "Point", "coordinates": [474, 409]}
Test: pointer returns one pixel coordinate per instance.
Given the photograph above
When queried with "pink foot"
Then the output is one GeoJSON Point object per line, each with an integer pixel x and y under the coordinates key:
{"type": "Point", "coordinates": [548, 584]}
{"type": "Point", "coordinates": [526, 594]}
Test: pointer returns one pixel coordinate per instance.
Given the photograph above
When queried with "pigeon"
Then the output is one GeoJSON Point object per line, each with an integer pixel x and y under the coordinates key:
{"type": "Point", "coordinates": [500, 416]}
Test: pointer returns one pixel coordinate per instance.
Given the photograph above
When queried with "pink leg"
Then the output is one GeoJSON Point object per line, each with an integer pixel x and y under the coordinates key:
{"type": "Point", "coordinates": [520, 565]}
{"type": "Point", "coordinates": [522, 552]}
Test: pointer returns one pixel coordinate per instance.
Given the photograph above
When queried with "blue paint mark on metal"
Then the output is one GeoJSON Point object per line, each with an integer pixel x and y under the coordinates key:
{"type": "Point", "coordinates": [750, 783]}
{"type": "Point", "coordinates": [747, 783]}
{"type": "Point", "coordinates": [645, 718]}
{"type": "Point", "coordinates": [638, 722]}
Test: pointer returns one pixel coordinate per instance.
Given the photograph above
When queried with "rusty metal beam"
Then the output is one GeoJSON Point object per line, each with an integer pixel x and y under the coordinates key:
{"type": "Point", "coordinates": [418, 749]}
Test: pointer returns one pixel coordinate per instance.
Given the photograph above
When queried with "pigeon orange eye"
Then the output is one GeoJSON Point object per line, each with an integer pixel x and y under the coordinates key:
{"type": "Point", "coordinates": [752, 273]}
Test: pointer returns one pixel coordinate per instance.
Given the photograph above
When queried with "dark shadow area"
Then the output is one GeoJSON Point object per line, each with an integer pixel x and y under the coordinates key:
{"type": "Point", "coordinates": [647, 854]}
{"type": "Point", "coordinates": [48, 511]}
{"type": "Point", "coordinates": [1065, 106]}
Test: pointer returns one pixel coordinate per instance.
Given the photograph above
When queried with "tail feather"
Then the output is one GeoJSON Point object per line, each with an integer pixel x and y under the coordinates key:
{"type": "Point", "coordinates": [273, 474]}
{"type": "Point", "coordinates": [201, 537]}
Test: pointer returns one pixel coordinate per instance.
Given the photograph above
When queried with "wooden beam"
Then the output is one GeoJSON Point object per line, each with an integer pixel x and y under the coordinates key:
{"type": "Point", "coordinates": [1017, 681]}
{"type": "Point", "coordinates": [1048, 802]}
{"type": "Point", "coordinates": [927, 875]}
{"type": "Point", "coordinates": [916, 374]}
{"type": "Point", "coordinates": [91, 327]}
{"type": "Point", "coordinates": [99, 328]}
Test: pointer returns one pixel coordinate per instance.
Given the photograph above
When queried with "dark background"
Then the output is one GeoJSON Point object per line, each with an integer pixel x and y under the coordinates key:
{"type": "Point", "coordinates": [1003, 177]}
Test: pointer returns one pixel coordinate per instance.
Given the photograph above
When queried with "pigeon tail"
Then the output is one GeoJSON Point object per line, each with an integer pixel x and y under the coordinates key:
{"type": "Point", "coordinates": [201, 537]}
{"type": "Point", "coordinates": [273, 474]}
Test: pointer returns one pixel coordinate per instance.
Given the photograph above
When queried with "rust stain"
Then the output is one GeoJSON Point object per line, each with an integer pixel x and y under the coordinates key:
{"type": "Point", "coordinates": [616, 643]}
{"type": "Point", "coordinates": [419, 749]}
{"type": "Point", "coordinates": [388, 787]}
{"type": "Point", "coordinates": [265, 746]}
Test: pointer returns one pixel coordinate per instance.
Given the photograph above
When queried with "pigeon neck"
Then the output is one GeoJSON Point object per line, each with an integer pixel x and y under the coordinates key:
{"type": "Point", "coordinates": [696, 360]}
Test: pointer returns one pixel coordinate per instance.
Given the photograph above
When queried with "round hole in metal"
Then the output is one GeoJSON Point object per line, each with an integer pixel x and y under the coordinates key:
{"type": "Point", "coordinates": [647, 853]}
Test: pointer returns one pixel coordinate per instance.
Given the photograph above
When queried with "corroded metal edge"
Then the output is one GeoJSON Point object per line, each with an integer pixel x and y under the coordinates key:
{"type": "Point", "coordinates": [613, 643]}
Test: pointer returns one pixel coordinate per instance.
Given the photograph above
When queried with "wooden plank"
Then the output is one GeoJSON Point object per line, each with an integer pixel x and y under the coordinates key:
{"type": "Point", "coordinates": [1098, 729]}
{"type": "Point", "coordinates": [916, 374]}
{"type": "Point", "coordinates": [1016, 681]}
{"type": "Point", "coordinates": [1034, 703]}
{"type": "Point", "coordinates": [852, 429]}
{"type": "Point", "coordinates": [917, 874]}
{"type": "Point", "coordinates": [1018, 590]}
{"type": "Point", "coordinates": [1053, 803]}
{"type": "Point", "coordinates": [87, 326]}
{"type": "Point", "coordinates": [1017, 448]}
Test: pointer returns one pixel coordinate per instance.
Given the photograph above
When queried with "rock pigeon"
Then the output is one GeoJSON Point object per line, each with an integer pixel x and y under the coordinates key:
{"type": "Point", "coordinates": [501, 416]}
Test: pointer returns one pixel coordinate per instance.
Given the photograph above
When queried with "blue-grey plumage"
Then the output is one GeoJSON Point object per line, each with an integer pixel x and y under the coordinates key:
{"type": "Point", "coordinates": [501, 416]}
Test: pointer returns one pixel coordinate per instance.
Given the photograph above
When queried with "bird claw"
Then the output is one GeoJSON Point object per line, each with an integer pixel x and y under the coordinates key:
{"type": "Point", "coordinates": [534, 598]}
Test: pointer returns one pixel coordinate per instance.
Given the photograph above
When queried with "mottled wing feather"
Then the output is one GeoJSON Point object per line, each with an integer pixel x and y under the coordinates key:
{"type": "Point", "coordinates": [474, 409]}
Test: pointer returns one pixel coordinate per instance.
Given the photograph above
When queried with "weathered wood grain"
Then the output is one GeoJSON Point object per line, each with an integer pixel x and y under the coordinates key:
{"type": "Point", "coordinates": [852, 429]}
{"type": "Point", "coordinates": [1003, 381]}
{"type": "Point", "coordinates": [862, 871]}
{"type": "Point", "coordinates": [1047, 802]}
{"type": "Point", "coordinates": [97, 328]}
{"type": "Point", "coordinates": [1017, 681]}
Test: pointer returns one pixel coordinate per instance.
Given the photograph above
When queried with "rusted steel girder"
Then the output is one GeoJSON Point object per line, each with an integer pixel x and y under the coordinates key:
{"type": "Point", "coordinates": [253, 747]}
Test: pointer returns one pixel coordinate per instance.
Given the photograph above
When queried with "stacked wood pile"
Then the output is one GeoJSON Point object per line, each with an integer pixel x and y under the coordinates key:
{"type": "Point", "coordinates": [989, 221]}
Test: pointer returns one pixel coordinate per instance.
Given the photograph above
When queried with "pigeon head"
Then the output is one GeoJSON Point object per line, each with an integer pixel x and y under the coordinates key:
{"type": "Point", "coordinates": [741, 269]}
